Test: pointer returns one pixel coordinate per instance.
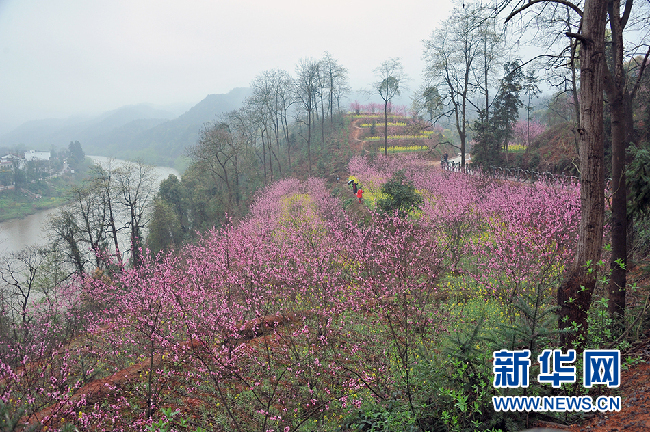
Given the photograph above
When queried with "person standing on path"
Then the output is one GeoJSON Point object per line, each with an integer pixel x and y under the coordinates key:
{"type": "Point", "coordinates": [360, 195]}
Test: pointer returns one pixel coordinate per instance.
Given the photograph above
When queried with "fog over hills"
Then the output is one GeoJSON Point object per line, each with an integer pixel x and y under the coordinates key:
{"type": "Point", "coordinates": [132, 132]}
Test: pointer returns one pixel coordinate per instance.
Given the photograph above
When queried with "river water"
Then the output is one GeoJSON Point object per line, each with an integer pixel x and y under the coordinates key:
{"type": "Point", "coordinates": [16, 234]}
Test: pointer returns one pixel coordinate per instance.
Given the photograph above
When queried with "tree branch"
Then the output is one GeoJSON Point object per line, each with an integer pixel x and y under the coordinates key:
{"type": "Point", "coordinates": [626, 13]}
{"type": "Point", "coordinates": [637, 84]}
{"type": "Point", "coordinates": [578, 36]}
{"type": "Point", "coordinates": [533, 2]}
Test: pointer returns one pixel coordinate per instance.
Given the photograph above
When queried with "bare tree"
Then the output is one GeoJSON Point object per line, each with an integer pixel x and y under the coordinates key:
{"type": "Point", "coordinates": [135, 189]}
{"type": "Point", "coordinates": [258, 110]}
{"type": "Point", "coordinates": [306, 88]}
{"type": "Point", "coordinates": [269, 105]}
{"type": "Point", "coordinates": [336, 82]}
{"type": "Point", "coordinates": [492, 52]}
{"type": "Point", "coordinates": [103, 183]}
{"type": "Point", "coordinates": [19, 272]}
{"type": "Point", "coordinates": [391, 80]}
{"type": "Point", "coordinates": [284, 99]}
{"type": "Point", "coordinates": [531, 89]}
{"type": "Point", "coordinates": [452, 54]}
{"type": "Point", "coordinates": [575, 293]}
{"type": "Point", "coordinates": [216, 153]}
{"type": "Point", "coordinates": [553, 22]}
{"type": "Point", "coordinates": [281, 101]}
{"type": "Point", "coordinates": [86, 226]}
{"type": "Point", "coordinates": [64, 228]}
{"type": "Point", "coordinates": [244, 132]}
{"type": "Point", "coordinates": [620, 92]}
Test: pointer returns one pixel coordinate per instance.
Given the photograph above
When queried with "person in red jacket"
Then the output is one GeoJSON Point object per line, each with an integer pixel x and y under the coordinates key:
{"type": "Point", "coordinates": [360, 195]}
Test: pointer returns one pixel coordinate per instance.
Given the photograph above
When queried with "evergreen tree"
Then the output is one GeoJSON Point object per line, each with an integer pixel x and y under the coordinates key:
{"type": "Point", "coordinates": [487, 150]}
{"type": "Point", "coordinates": [493, 134]}
{"type": "Point", "coordinates": [508, 101]}
{"type": "Point", "coordinates": [76, 155]}
{"type": "Point", "coordinates": [399, 195]}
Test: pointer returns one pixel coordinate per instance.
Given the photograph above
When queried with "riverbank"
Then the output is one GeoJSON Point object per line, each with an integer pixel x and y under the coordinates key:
{"type": "Point", "coordinates": [11, 207]}
{"type": "Point", "coordinates": [24, 218]}
{"type": "Point", "coordinates": [40, 188]}
{"type": "Point", "coordinates": [35, 197]}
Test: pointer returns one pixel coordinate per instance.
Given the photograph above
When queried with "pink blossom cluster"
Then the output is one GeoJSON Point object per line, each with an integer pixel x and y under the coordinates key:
{"type": "Point", "coordinates": [375, 108]}
{"type": "Point", "coordinates": [502, 236]}
{"type": "Point", "coordinates": [228, 313]}
{"type": "Point", "coordinates": [525, 132]}
{"type": "Point", "coordinates": [287, 315]}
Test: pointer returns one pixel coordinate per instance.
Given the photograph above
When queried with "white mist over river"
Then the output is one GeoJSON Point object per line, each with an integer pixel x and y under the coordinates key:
{"type": "Point", "coordinates": [17, 234]}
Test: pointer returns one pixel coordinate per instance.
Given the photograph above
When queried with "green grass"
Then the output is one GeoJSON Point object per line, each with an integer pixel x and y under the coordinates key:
{"type": "Point", "coordinates": [15, 205]}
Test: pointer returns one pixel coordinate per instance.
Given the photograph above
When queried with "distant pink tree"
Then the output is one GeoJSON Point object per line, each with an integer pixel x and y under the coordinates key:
{"type": "Point", "coordinates": [398, 109]}
{"type": "Point", "coordinates": [374, 107]}
{"type": "Point", "coordinates": [525, 132]}
{"type": "Point", "coordinates": [355, 107]}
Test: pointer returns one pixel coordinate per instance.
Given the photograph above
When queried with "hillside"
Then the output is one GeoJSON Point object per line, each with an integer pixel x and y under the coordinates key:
{"type": "Point", "coordinates": [300, 318]}
{"type": "Point", "coordinates": [553, 150]}
{"type": "Point", "coordinates": [556, 149]}
{"type": "Point", "coordinates": [317, 312]}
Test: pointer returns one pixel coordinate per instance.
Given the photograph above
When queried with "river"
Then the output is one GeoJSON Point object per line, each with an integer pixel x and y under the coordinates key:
{"type": "Point", "coordinates": [17, 234]}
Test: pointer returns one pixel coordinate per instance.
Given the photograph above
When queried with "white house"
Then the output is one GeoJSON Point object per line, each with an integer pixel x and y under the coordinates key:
{"type": "Point", "coordinates": [37, 156]}
{"type": "Point", "coordinates": [7, 162]}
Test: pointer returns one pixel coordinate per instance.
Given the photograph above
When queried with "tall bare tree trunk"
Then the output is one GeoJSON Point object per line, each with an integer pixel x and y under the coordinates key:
{"type": "Point", "coordinates": [111, 217]}
{"type": "Point", "coordinates": [620, 104]}
{"type": "Point", "coordinates": [322, 122]}
{"type": "Point", "coordinates": [619, 217]}
{"type": "Point", "coordinates": [309, 139]}
{"type": "Point", "coordinates": [285, 128]}
{"type": "Point", "coordinates": [264, 158]}
{"type": "Point", "coordinates": [463, 135]}
{"type": "Point", "coordinates": [574, 295]}
{"type": "Point", "coordinates": [331, 97]}
{"type": "Point", "coordinates": [385, 127]}
{"type": "Point", "coordinates": [576, 100]}
{"type": "Point", "coordinates": [237, 192]}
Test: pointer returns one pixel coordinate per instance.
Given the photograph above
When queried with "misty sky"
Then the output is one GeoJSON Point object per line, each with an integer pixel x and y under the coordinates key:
{"type": "Point", "coordinates": [79, 57]}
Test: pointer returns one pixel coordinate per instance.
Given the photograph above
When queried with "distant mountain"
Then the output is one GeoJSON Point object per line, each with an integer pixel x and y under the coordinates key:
{"type": "Point", "coordinates": [42, 134]}
{"type": "Point", "coordinates": [39, 134]}
{"type": "Point", "coordinates": [165, 142]}
{"type": "Point", "coordinates": [122, 116]}
{"type": "Point", "coordinates": [131, 132]}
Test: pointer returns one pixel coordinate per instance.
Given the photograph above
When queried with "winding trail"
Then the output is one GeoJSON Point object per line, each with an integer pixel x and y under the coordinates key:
{"type": "Point", "coordinates": [354, 141]}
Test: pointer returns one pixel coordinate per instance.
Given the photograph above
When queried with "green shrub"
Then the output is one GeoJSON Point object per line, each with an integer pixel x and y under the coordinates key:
{"type": "Point", "coordinates": [399, 195]}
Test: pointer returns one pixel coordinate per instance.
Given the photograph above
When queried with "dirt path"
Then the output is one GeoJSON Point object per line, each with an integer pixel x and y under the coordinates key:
{"type": "Point", "coordinates": [354, 138]}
